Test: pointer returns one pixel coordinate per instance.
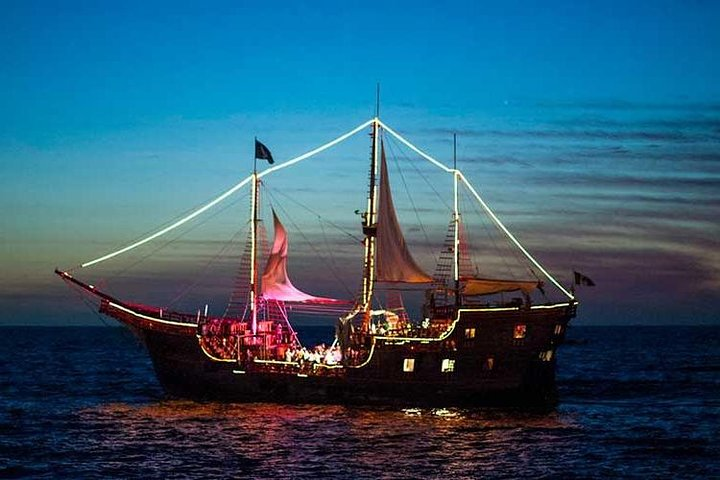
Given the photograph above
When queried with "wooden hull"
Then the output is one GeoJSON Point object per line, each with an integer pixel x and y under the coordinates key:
{"type": "Point", "coordinates": [490, 366]}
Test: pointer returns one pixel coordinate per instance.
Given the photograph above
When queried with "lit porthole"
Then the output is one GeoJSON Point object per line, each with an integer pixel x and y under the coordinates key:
{"type": "Point", "coordinates": [469, 333]}
{"type": "Point", "coordinates": [558, 329]}
{"type": "Point", "coordinates": [519, 331]}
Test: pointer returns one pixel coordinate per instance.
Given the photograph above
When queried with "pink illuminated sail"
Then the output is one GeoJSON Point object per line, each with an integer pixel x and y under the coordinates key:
{"type": "Point", "coordinates": [394, 261]}
{"type": "Point", "coordinates": [276, 284]}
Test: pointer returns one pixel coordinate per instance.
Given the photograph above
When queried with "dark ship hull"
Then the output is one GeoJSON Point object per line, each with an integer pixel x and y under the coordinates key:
{"type": "Point", "coordinates": [479, 361]}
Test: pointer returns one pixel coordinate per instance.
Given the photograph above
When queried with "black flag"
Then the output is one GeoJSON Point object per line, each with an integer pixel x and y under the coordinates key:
{"type": "Point", "coordinates": [262, 152]}
{"type": "Point", "coordinates": [581, 279]}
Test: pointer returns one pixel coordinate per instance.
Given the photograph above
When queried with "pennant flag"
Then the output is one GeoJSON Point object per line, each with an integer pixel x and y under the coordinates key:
{"type": "Point", "coordinates": [262, 152]}
{"type": "Point", "coordinates": [581, 279]}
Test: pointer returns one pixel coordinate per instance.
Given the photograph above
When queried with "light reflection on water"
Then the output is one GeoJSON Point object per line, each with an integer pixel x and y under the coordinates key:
{"type": "Point", "coordinates": [264, 440]}
{"type": "Point", "coordinates": [87, 405]}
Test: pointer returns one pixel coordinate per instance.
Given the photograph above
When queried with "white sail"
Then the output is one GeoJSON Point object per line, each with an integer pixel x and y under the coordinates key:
{"type": "Point", "coordinates": [394, 261]}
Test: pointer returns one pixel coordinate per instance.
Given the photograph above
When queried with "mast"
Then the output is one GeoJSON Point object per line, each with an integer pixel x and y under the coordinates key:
{"type": "Point", "coordinates": [370, 217]}
{"type": "Point", "coordinates": [253, 248]}
{"type": "Point", "coordinates": [370, 223]}
{"type": "Point", "coordinates": [456, 220]}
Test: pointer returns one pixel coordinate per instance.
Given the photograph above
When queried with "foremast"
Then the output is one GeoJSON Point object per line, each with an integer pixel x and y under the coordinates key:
{"type": "Point", "coordinates": [253, 251]}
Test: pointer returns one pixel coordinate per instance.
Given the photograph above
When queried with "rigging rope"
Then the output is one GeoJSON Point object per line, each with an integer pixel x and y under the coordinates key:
{"type": "Point", "coordinates": [441, 198]}
{"type": "Point", "coordinates": [307, 240]}
{"type": "Point", "coordinates": [320, 218]}
{"type": "Point", "coordinates": [80, 292]}
{"type": "Point", "coordinates": [428, 243]}
{"type": "Point", "coordinates": [333, 263]}
{"type": "Point", "coordinates": [205, 270]}
{"type": "Point", "coordinates": [506, 246]}
{"type": "Point", "coordinates": [415, 149]}
{"type": "Point", "coordinates": [176, 238]}
{"type": "Point", "coordinates": [225, 195]}
{"type": "Point", "coordinates": [512, 237]}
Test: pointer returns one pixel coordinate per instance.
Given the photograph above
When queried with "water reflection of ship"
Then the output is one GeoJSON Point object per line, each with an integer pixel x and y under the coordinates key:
{"type": "Point", "coordinates": [472, 344]}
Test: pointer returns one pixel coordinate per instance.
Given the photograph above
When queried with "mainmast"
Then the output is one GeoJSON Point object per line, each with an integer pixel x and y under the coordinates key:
{"type": "Point", "coordinates": [370, 223]}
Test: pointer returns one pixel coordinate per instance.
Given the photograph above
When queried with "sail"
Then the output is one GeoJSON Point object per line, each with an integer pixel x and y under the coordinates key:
{"type": "Point", "coordinates": [480, 286]}
{"type": "Point", "coordinates": [394, 262]}
{"type": "Point", "coordinates": [276, 284]}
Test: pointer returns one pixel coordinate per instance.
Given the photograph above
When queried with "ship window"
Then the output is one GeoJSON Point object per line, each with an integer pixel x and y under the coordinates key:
{"type": "Point", "coordinates": [469, 333]}
{"type": "Point", "coordinates": [520, 331]}
{"type": "Point", "coordinates": [489, 363]}
{"type": "Point", "coordinates": [448, 365]}
{"type": "Point", "coordinates": [409, 365]}
{"type": "Point", "coordinates": [546, 356]}
{"type": "Point", "coordinates": [558, 329]}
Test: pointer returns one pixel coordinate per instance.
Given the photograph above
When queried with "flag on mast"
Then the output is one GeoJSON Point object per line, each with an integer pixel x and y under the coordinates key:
{"type": "Point", "coordinates": [581, 279]}
{"type": "Point", "coordinates": [262, 152]}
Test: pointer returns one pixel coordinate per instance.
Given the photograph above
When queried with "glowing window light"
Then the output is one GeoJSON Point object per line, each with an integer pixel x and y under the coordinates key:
{"type": "Point", "coordinates": [546, 356]}
{"type": "Point", "coordinates": [519, 331]}
{"type": "Point", "coordinates": [489, 364]}
{"type": "Point", "coordinates": [448, 365]}
{"type": "Point", "coordinates": [409, 365]}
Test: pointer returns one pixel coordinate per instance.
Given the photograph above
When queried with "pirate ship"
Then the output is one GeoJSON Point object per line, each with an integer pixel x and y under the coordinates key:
{"type": "Point", "coordinates": [476, 340]}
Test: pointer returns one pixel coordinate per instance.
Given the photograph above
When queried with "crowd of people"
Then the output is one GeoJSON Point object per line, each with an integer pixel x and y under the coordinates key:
{"type": "Point", "coordinates": [320, 354]}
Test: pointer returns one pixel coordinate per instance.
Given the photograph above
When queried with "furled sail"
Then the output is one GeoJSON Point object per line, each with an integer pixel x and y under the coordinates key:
{"type": "Point", "coordinates": [394, 261]}
{"type": "Point", "coordinates": [479, 286]}
{"type": "Point", "coordinates": [276, 284]}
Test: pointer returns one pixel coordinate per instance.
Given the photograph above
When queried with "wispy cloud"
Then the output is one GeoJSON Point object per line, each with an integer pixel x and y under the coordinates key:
{"type": "Point", "coordinates": [578, 134]}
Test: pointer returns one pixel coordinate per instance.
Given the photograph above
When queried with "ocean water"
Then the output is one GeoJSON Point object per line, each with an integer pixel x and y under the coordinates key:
{"type": "Point", "coordinates": [635, 402]}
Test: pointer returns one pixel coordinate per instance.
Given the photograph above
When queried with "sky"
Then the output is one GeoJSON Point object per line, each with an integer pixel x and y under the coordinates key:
{"type": "Point", "coordinates": [592, 128]}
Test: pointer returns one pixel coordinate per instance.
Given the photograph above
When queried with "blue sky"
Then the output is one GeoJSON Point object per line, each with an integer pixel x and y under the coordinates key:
{"type": "Point", "coordinates": [592, 127]}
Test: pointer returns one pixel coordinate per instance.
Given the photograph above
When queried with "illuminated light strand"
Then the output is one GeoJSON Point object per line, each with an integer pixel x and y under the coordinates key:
{"type": "Point", "coordinates": [456, 235]}
{"type": "Point", "coordinates": [253, 248]}
{"type": "Point", "coordinates": [446, 334]}
{"type": "Point", "coordinates": [146, 317]}
{"type": "Point", "coordinates": [211, 356]}
{"type": "Point", "coordinates": [416, 150]}
{"type": "Point", "coordinates": [276, 362]}
{"type": "Point", "coordinates": [225, 195]}
{"type": "Point", "coordinates": [317, 366]}
{"type": "Point", "coordinates": [170, 227]}
{"type": "Point", "coordinates": [512, 237]}
{"type": "Point", "coordinates": [367, 360]}
{"type": "Point", "coordinates": [539, 307]}
{"type": "Point", "coordinates": [372, 216]}
{"type": "Point", "coordinates": [322, 148]}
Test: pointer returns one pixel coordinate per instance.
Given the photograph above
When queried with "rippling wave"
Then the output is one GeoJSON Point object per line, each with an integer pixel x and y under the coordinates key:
{"type": "Point", "coordinates": [84, 403]}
